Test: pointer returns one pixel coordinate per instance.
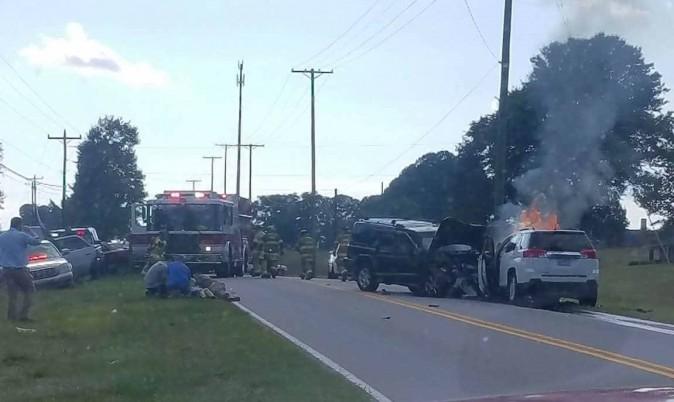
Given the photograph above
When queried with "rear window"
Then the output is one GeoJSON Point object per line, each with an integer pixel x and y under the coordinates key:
{"type": "Point", "coordinates": [559, 241]}
{"type": "Point", "coordinates": [42, 252]}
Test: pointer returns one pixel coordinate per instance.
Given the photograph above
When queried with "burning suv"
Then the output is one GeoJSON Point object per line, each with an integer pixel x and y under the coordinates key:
{"type": "Point", "coordinates": [542, 265]}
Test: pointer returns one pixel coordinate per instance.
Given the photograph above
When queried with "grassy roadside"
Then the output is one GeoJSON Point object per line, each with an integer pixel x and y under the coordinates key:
{"type": "Point", "coordinates": [642, 291]}
{"type": "Point", "coordinates": [105, 341]}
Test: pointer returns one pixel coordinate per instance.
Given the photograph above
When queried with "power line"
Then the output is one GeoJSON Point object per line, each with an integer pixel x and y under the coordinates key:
{"type": "Point", "coordinates": [380, 30]}
{"type": "Point", "coordinates": [434, 126]}
{"type": "Point", "coordinates": [49, 117]}
{"type": "Point", "coordinates": [390, 35]}
{"type": "Point", "coordinates": [340, 36]}
{"type": "Point", "coordinates": [273, 105]}
{"type": "Point", "coordinates": [26, 118]}
{"type": "Point", "coordinates": [479, 32]}
{"type": "Point", "coordinates": [24, 153]}
{"type": "Point", "coordinates": [37, 95]}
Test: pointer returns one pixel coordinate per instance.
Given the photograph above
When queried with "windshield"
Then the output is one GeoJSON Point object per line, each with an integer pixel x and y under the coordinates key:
{"type": "Point", "coordinates": [42, 252]}
{"type": "Point", "coordinates": [559, 241]}
{"type": "Point", "coordinates": [426, 238]}
{"type": "Point", "coordinates": [174, 217]}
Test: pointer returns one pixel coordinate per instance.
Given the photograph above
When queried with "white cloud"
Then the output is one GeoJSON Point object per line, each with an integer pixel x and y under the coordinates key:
{"type": "Point", "coordinates": [79, 53]}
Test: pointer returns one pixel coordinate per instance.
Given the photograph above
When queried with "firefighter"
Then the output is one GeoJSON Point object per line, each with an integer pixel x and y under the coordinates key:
{"type": "Point", "coordinates": [342, 252]}
{"type": "Point", "coordinates": [272, 252]}
{"type": "Point", "coordinates": [156, 251]}
{"type": "Point", "coordinates": [258, 252]}
{"type": "Point", "coordinates": [307, 248]}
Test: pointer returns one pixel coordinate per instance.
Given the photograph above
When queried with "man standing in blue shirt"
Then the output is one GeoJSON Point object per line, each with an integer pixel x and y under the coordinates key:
{"type": "Point", "coordinates": [14, 262]}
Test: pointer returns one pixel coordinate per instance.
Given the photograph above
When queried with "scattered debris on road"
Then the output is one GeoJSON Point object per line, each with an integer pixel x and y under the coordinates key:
{"type": "Point", "coordinates": [26, 330]}
{"type": "Point", "coordinates": [433, 305]}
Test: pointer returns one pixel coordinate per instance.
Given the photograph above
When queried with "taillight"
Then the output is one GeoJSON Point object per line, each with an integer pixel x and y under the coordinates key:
{"type": "Point", "coordinates": [533, 253]}
{"type": "Point", "coordinates": [37, 257]}
{"type": "Point", "coordinates": [589, 253]}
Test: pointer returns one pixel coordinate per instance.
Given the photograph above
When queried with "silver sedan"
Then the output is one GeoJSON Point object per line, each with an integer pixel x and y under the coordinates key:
{"type": "Point", "coordinates": [48, 267]}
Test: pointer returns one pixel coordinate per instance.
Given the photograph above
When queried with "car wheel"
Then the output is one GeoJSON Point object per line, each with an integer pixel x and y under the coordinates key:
{"type": "Point", "coordinates": [433, 287]}
{"type": "Point", "coordinates": [417, 290]}
{"type": "Point", "coordinates": [589, 301]}
{"type": "Point", "coordinates": [366, 280]}
{"type": "Point", "coordinates": [513, 289]}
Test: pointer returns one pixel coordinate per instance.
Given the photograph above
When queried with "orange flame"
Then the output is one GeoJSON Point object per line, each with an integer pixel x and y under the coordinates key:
{"type": "Point", "coordinates": [533, 218]}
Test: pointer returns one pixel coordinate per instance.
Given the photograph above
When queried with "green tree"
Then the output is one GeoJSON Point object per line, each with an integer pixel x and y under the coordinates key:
{"type": "Point", "coordinates": [290, 213]}
{"type": "Point", "coordinates": [423, 190]}
{"type": "Point", "coordinates": [586, 124]}
{"type": "Point", "coordinates": [108, 180]}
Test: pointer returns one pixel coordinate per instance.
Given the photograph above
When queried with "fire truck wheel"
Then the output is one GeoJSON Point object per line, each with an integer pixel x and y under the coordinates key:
{"type": "Point", "coordinates": [222, 270]}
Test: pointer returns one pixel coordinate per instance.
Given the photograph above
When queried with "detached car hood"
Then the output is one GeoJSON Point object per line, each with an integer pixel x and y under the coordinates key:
{"type": "Point", "coordinates": [453, 231]}
{"type": "Point", "coordinates": [648, 394]}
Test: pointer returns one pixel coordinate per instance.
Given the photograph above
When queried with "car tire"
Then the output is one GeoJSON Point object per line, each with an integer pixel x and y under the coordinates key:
{"type": "Point", "coordinates": [513, 292]}
{"type": "Point", "coordinates": [589, 301]}
{"type": "Point", "coordinates": [417, 290]}
{"type": "Point", "coordinates": [433, 288]}
{"type": "Point", "coordinates": [366, 280]}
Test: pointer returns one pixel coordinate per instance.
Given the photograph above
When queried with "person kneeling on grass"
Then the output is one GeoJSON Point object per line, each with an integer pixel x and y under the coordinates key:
{"type": "Point", "coordinates": [178, 276]}
{"type": "Point", "coordinates": [164, 278]}
{"type": "Point", "coordinates": [155, 279]}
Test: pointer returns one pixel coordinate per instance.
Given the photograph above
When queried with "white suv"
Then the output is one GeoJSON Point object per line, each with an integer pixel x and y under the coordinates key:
{"type": "Point", "coordinates": [547, 265]}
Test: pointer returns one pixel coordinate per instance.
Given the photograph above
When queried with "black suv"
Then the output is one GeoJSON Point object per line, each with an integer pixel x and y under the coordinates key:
{"type": "Point", "coordinates": [390, 251]}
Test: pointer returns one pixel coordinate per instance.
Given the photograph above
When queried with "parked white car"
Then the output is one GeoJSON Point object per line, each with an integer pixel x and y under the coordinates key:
{"type": "Point", "coordinates": [547, 265]}
{"type": "Point", "coordinates": [48, 267]}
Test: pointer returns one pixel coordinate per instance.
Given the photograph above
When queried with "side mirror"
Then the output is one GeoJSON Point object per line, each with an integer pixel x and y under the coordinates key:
{"type": "Point", "coordinates": [509, 247]}
{"type": "Point", "coordinates": [65, 251]}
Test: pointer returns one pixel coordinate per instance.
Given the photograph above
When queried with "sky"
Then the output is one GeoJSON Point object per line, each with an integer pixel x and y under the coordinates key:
{"type": "Point", "coordinates": [409, 77]}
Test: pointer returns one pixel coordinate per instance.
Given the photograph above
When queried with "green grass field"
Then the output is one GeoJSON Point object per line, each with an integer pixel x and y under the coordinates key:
{"type": "Point", "coordinates": [153, 350]}
{"type": "Point", "coordinates": [643, 291]}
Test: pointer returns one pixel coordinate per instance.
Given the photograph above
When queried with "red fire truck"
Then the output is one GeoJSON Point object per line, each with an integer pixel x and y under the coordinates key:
{"type": "Point", "coordinates": [206, 229]}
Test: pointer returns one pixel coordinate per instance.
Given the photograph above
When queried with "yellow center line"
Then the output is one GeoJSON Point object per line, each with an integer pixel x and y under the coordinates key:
{"type": "Point", "coordinates": [536, 337]}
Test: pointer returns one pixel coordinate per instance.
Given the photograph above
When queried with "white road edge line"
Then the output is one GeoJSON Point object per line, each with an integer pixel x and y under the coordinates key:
{"type": "Point", "coordinates": [632, 323]}
{"type": "Point", "coordinates": [378, 396]}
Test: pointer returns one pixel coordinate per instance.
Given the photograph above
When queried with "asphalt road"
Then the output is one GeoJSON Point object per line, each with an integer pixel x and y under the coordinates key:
{"type": "Point", "coordinates": [423, 349]}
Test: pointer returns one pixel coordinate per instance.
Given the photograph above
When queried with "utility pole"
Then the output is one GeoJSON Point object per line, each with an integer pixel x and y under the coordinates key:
{"type": "Point", "coordinates": [212, 158]}
{"type": "Point", "coordinates": [240, 79]}
{"type": "Point", "coordinates": [502, 132]}
{"type": "Point", "coordinates": [250, 162]}
{"type": "Point", "coordinates": [194, 182]}
{"type": "Point", "coordinates": [335, 222]}
{"type": "Point", "coordinates": [250, 168]}
{"type": "Point", "coordinates": [382, 188]}
{"type": "Point", "coordinates": [226, 147]}
{"type": "Point", "coordinates": [312, 74]}
{"type": "Point", "coordinates": [64, 138]}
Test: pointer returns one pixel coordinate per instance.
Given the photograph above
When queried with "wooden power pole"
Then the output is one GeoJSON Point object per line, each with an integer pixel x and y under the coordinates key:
{"type": "Point", "coordinates": [212, 158]}
{"type": "Point", "coordinates": [64, 139]}
{"type": "Point", "coordinates": [312, 74]}
{"type": "Point", "coordinates": [502, 132]}
{"type": "Point", "coordinates": [240, 79]}
{"type": "Point", "coordinates": [226, 147]}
